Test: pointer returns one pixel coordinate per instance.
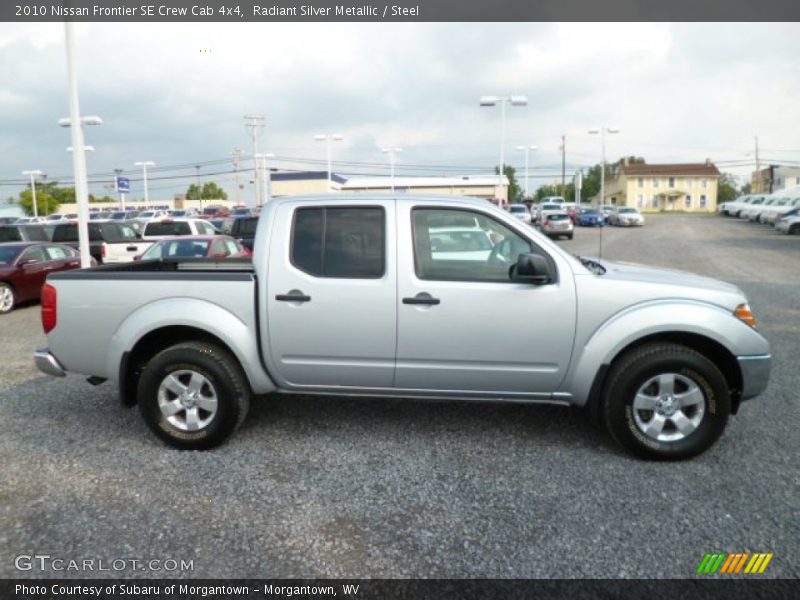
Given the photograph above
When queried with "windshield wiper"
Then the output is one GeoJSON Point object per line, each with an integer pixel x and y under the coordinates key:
{"type": "Point", "coordinates": [592, 265]}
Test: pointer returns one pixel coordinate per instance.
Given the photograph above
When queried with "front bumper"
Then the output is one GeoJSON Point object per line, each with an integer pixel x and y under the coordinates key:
{"type": "Point", "coordinates": [782, 226]}
{"type": "Point", "coordinates": [47, 363]}
{"type": "Point", "coordinates": [755, 374]}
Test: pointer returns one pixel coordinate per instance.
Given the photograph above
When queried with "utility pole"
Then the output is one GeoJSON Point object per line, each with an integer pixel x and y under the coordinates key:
{"type": "Point", "coordinates": [255, 123]}
{"type": "Point", "coordinates": [237, 156]}
{"type": "Point", "coordinates": [563, 163]}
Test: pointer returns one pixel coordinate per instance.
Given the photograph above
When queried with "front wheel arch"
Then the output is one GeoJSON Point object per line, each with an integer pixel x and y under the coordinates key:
{"type": "Point", "coordinates": [723, 358]}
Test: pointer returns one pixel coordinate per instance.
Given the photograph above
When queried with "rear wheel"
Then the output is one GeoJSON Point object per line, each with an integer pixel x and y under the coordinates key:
{"type": "Point", "coordinates": [794, 229]}
{"type": "Point", "coordinates": [193, 395]}
{"type": "Point", "coordinates": [7, 298]}
{"type": "Point", "coordinates": [666, 401]}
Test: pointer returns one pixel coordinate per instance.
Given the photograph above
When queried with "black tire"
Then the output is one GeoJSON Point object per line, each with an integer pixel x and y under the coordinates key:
{"type": "Point", "coordinates": [8, 299]}
{"type": "Point", "coordinates": [794, 229]}
{"type": "Point", "coordinates": [225, 380]}
{"type": "Point", "coordinates": [632, 371]}
{"type": "Point", "coordinates": [570, 236]}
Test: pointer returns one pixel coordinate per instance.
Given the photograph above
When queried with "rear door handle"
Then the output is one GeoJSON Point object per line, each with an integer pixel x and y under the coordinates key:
{"type": "Point", "coordinates": [293, 296]}
{"type": "Point", "coordinates": [423, 298]}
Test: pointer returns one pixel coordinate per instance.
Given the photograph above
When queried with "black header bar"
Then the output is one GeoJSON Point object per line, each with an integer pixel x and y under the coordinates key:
{"type": "Point", "coordinates": [268, 11]}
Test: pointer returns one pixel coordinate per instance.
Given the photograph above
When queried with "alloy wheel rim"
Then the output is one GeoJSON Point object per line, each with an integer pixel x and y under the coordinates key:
{"type": "Point", "coordinates": [669, 407]}
{"type": "Point", "coordinates": [187, 400]}
{"type": "Point", "coordinates": [6, 299]}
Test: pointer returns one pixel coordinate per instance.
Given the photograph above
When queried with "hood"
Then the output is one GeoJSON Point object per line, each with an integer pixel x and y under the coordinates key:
{"type": "Point", "coordinates": [624, 271]}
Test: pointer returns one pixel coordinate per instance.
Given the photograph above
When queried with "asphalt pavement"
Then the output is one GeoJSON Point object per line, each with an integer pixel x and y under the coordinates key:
{"type": "Point", "coordinates": [330, 487]}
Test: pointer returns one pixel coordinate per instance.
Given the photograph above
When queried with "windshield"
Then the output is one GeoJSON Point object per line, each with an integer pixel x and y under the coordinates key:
{"type": "Point", "coordinates": [551, 207]}
{"type": "Point", "coordinates": [627, 210]}
{"type": "Point", "coordinates": [146, 214]}
{"type": "Point", "coordinates": [168, 228]}
{"type": "Point", "coordinates": [590, 211]}
{"type": "Point", "coordinates": [188, 248]}
{"type": "Point", "coordinates": [211, 210]}
{"type": "Point", "coordinates": [241, 211]}
{"type": "Point", "coordinates": [518, 209]}
{"type": "Point", "coordinates": [118, 215]}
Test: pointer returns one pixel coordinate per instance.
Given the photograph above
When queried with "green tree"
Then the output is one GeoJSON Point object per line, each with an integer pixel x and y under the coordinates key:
{"type": "Point", "coordinates": [211, 191]}
{"type": "Point", "coordinates": [727, 188]}
{"type": "Point", "coordinates": [514, 189]}
{"type": "Point", "coordinates": [195, 192]}
{"type": "Point", "coordinates": [747, 188]}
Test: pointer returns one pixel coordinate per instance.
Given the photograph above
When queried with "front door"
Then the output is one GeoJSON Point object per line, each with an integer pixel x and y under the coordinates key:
{"type": "Point", "coordinates": [331, 295]}
{"type": "Point", "coordinates": [463, 325]}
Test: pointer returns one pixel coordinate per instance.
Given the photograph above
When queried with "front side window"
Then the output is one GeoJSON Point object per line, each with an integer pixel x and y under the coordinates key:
{"type": "Point", "coordinates": [36, 253]}
{"type": "Point", "coordinates": [347, 242]}
{"type": "Point", "coordinates": [447, 249]}
{"type": "Point", "coordinates": [57, 252]}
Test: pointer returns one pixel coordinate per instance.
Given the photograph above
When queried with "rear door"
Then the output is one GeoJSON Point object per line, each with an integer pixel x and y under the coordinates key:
{"type": "Point", "coordinates": [330, 295]}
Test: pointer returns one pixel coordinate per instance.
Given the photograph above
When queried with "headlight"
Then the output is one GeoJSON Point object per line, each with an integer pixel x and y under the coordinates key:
{"type": "Point", "coordinates": [743, 313]}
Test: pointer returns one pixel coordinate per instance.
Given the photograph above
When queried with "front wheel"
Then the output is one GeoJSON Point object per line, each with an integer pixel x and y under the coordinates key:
{"type": "Point", "coordinates": [193, 395]}
{"type": "Point", "coordinates": [7, 298]}
{"type": "Point", "coordinates": [666, 402]}
{"type": "Point", "coordinates": [794, 229]}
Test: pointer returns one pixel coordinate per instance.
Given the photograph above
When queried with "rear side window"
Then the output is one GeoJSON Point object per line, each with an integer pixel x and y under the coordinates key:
{"type": "Point", "coordinates": [340, 242]}
{"type": "Point", "coordinates": [10, 234]}
{"type": "Point", "coordinates": [170, 228]}
{"type": "Point", "coordinates": [58, 252]}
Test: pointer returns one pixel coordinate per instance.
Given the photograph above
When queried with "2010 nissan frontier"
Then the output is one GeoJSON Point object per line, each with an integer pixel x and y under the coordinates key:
{"type": "Point", "coordinates": [415, 297]}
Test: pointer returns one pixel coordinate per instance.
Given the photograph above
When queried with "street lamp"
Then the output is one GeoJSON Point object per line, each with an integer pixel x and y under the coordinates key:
{"type": "Point", "coordinates": [603, 131]}
{"type": "Point", "coordinates": [527, 150]}
{"type": "Point", "coordinates": [78, 158]}
{"type": "Point", "coordinates": [33, 175]}
{"type": "Point", "coordinates": [329, 138]}
{"type": "Point", "coordinates": [144, 164]}
{"type": "Point", "coordinates": [502, 101]}
{"type": "Point", "coordinates": [392, 152]}
{"type": "Point", "coordinates": [267, 175]}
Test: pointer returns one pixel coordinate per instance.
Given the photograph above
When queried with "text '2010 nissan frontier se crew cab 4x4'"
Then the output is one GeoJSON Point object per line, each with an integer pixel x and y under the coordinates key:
{"type": "Point", "coordinates": [414, 297]}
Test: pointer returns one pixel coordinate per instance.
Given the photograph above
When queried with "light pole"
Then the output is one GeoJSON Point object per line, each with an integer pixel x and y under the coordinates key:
{"type": "Point", "coordinates": [78, 158]}
{"type": "Point", "coordinates": [144, 164]}
{"type": "Point", "coordinates": [503, 100]}
{"type": "Point", "coordinates": [392, 152]}
{"type": "Point", "coordinates": [603, 131]}
{"type": "Point", "coordinates": [329, 138]}
{"type": "Point", "coordinates": [267, 175]}
{"type": "Point", "coordinates": [33, 175]}
{"type": "Point", "coordinates": [527, 150]}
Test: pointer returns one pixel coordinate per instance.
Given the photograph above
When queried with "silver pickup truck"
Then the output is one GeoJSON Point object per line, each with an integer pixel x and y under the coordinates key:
{"type": "Point", "coordinates": [413, 297]}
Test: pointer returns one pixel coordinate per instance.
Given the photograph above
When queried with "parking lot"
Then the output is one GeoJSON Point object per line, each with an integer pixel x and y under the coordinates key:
{"type": "Point", "coordinates": [328, 487]}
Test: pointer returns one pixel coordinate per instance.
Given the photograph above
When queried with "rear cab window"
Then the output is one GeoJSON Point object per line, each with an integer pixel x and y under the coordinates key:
{"type": "Point", "coordinates": [340, 242]}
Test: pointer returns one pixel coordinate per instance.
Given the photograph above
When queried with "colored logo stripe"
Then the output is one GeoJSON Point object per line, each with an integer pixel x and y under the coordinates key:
{"type": "Point", "coordinates": [728, 564]}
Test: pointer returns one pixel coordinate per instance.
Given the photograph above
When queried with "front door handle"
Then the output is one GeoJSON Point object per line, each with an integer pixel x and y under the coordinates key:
{"type": "Point", "coordinates": [422, 298]}
{"type": "Point", "coordinates": [293, 296]}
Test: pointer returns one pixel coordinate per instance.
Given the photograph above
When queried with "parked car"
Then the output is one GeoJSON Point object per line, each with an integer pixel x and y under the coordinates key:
{"type": "Point", "coordinates": [754, 205]}
{"type": "Point", "coordinates": [241, 211]}
{"type": "Point", "coordinates": [544, 209]}
{"type": "Point", "coordinates": [223, 225]}
{"type": "Point", "coordinates": [55, 218]}
{"type": "Point", "coordinates": [244, 230]}
{"type": "Point", "coordinates": [789, 223]}
{"type": "Point", "coordinates": [626, 216]}
{"type": "Point", "coordinates": [557, 224]}
{"type": "Point", "coordinates": [24, 267]}
{"type": "Point", "coordinates": [733, 206]}
{"type": "Point", "coordinates": [23, 233]}
{"type": "Point", "coordinates": [109, 241]}
{"type": "Point", "coordinates": [149, 215]}
{"type": "Point", "coordinates": [607, 209]}
{"type": "Point", "coordinates": [460, 243]}
{"type": "Point", "coordinates": [28, 220]}
{"type": "Point", "coordinates": [183, 213]}
{"type": "Point", "coordinates": [169, 227]}
{"type": "Point", "coordinates": [344, 296]}
{"type": "Point", "coordinates": [520, 211]}
{"type": "Point", "coordinates": [781, 208]}
{"type": "Point", "coordinates": [196, 246]}
{"type": "Point", "coordinates": [215, 212]}
{"type": "Point", "coordinates": [590, 217]}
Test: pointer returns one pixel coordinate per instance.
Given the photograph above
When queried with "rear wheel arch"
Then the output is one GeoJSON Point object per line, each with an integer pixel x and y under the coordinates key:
{"type": "Point", "coordinates": [149, 345]}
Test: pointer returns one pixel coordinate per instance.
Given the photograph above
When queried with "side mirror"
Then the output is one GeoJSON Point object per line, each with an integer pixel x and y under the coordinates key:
{"type": "Point", "coordinates": [532, 268]}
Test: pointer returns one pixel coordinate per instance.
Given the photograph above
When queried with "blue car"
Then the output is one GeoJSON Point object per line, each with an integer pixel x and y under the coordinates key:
{"type": "Point", "coordinates": [591, 218]}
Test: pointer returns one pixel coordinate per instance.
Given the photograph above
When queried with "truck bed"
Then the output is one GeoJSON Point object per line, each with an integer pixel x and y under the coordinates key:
{"type": "Point", "coordinates": [164, 267]}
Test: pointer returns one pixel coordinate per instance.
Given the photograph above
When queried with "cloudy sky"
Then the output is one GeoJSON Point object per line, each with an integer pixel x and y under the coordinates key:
{"type": "Point", "coordinates": [176, 95]}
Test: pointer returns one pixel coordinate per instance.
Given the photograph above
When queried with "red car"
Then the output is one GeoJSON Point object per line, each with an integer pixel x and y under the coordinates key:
{"type": "Point", "coordinates": [196, 246]}
{"type": "Point", "coordinates": [24, 267]}
{"type": "Point", "coordinates": [215, 211]}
